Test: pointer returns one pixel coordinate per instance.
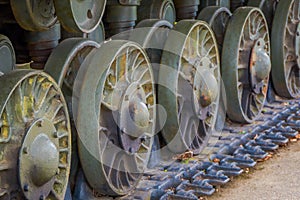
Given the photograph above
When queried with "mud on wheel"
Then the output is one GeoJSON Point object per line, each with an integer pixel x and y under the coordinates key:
{"type": "Point", "coordinates": [35, 137]}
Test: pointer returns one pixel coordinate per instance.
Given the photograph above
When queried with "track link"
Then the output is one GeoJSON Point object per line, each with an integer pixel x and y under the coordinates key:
{"type": "Point", "coordinates": [239, 148]}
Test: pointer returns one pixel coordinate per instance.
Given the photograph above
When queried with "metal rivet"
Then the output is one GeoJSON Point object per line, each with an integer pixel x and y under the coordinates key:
{"type": "Point", "coordinates": [126, 98]}
{"type": "Point", "coordinates": [39, 124]}
{"type": "Point", "coordinates": [25, 150]}
{"type": "Point", "coordinates": [55, 134]}
{"type": "Point", "coordinates": [26, 188]}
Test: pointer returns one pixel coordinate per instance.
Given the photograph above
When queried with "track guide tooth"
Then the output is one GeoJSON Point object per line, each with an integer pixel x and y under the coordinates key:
{"type": "Point", "coordinates": [199, 188]}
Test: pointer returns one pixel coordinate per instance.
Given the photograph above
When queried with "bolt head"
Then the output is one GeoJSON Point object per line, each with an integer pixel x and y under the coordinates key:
{"type": "Point", "coordinates": [25, 150]}
{"type": "Point", "coordinates": [26, 188]}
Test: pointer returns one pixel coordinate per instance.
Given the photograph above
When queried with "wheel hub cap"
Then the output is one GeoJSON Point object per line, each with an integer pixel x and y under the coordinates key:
{"type": "Point", "coordinates": [260, 65]}
{"type": "Point", "coordinates": [206, 85]}
{"type": "Point", "coordinates": [134, 118]}
{"type": "Point", "coordinates": [39, 157]}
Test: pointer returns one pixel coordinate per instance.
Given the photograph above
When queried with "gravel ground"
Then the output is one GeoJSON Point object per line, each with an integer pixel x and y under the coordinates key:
{"type": "Point", "coordinates": [275, 179]}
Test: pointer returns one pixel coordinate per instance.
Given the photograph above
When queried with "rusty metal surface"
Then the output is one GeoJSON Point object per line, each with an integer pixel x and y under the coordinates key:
{"type": "Point", "coordinates": [246, 28]}
{"type": "Point", "coordinates": [189, 85]}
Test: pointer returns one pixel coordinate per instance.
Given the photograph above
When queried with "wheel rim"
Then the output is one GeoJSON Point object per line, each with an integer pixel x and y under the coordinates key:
{"type": "Point", "coordinates": [98, 35]}
{"type": "Point", "coordinates": [268, 8]}
{"type": "Point", "coordinates": [220, 3]}
{"type": "Point", "coordinates": [114, 160]}
{"type": "Point", "coordinates": [64, 62]}
{"type": "Point", "coordinates": [234, 4]}
{"type": "Point", "coordinates": [7, 55]}
{"type": "Point", "coordinates": [63, 65]}
{"type": "Point", "coordinates": [37, 132]}
{"type": "Point", "coordinates": [246, 64]}
{"type": "Point", "coordinates": [157, 9]}
{"type": "Point", "coordinates": [166, 10]}
{"type": "Point", "coordinates": [152, 34]}
{"type": "Point", "coordinates": [85, 15]}
{"type": "Point", "coordinates": [217, 18]}
{"type": "Point", "coordinates": [34, 15]}
{"type": "Point", "coordinates": [285, 48]}
{"type": "Point", "coordinates": [189, 70]}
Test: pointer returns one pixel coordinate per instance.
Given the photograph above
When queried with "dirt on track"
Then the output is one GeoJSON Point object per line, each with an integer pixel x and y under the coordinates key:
{"type": "Point", "coordinates": [275, 179]}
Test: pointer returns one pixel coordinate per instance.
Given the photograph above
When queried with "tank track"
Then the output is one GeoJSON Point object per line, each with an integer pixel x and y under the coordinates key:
{"type": "Point", "coordinates": [237, 149]}
{"type": "Point", "coordinates": [180, 176]}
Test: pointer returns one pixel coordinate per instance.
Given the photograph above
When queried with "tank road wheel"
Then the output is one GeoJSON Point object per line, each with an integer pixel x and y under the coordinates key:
{"type": "Point", "coordinates": [220, 3]}
{"type": "Point", "coordinates": [217, 18]}
{"type": "Point", "coordinates": [35, 128]}
{"type": "Point", "coordinates": [97, 35]}
{"type": "Point", "coordinates": [186, 9]}
{"type": "Point", "coordinates": [63, 65]}
{"type": "Point", "coordinates": [65, 60]}
{"type": "Point", "coordinates": [189, 85]}
{"type": "Point", "coordinates": [36, 15]}
{"type": "Point", "coordinates": [116, 117]}
{"type": "Point", "coordinates": [151, 34]}
{"type": "Point", "coordinates": [267, 6]}
{"type": "Point", "coordinates": [246, 64]}
{"type": "Point", "coordinates": [157, 9]}
{"type": "Point", "coordinates": [234, 4]}
{"type": "Point", "coordinates": [78, 15]}
{"type": "Point", "coordinates": [286, 49]}
{"type": "Point", "coordinates": [7, 55]}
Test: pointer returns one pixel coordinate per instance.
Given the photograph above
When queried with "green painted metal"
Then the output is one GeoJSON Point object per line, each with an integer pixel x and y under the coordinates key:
{"type": "Point", "coordinates": [34, 15]}
{"type": "Point", "coordinates": [115, 116]}
{"type": "Point", "coordinates": [285, 69]}
{"type": "Point", "coordinates": [220, 3]}
{"type": "Point", "coordinates": [217, 17]}
{"type": "Point", "coordinates": [187, 9]}
{"type": "Point", "coordinates": [78, 15]}
{"type": "Point", "coordinates": [152, 34]}
{"type": "Point", "coordinates": [157, 9]}
{"type": "Point", "coordinates": [63, 65]}
{"type": "Point", "coordinates": [37, 132]}
{"type": "Point", "coordinates": [7, 55]}
{"type": "Point", "coordinates": [267, 6]}
{"type": "Point", "coordinates": [97, 35]}
{"type": "Point", "coordinates": [234, 4]}
{"type": "Point", "coordinates": [64, 62]}
{"type": "Point", "coordinates": [245, 28]}
{"type": "Point", "coordinates": [189, 85]}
